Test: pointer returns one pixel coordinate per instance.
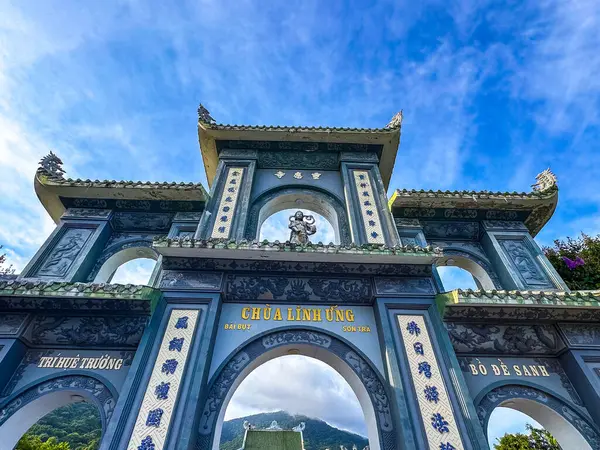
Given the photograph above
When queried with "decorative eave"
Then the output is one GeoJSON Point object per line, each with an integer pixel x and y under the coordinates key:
{"type": "Point", "coordinates": [26, 288]}
{"type": "Point", "coordinates": [105, 298]}
{"type": "Point", "coordinates": [209, 132]}
{"type": "Point", "coordinates": [277, 251]}
{"type": "Point", "coordinates": [51, 187]}
{"type": "Point", "coordinates": [477, 305]}
{"type": "Point", "coordinates": [539, 204]}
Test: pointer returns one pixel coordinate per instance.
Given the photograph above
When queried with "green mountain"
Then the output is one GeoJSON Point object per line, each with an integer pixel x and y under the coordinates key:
{"type": "Point", "coordinates": [77, 427]}
{"type": "Point", "coordinates": [318, 435]}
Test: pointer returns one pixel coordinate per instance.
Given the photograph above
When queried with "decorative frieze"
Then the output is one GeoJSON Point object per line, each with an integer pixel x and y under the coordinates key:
{"type": "Point", "coordinates": [368, 207]}
{"type": "Point", "coordinates": [401, 286]}
{"type": "Point", "coordinates": [504, 339]}
{"type": "Point", "coordinates": [191, 280]}
{"type": "Point", "coordinates": [160, 399]}
{"type": "Point", "coordinates": [451, 230]}
{"type": "Point", "coordinates": [434, 404]}
{"type": "Point", "coordinates": [228, 203]}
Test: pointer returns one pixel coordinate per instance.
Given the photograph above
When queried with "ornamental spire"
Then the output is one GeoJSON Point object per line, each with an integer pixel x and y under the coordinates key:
{"type": "Point", "coordinates": [204, 115]}
{"type": "Point", "coordinates": [396, 121]}
{"type": "Point", "coordinates": [544, 181]}
{"type": "Point", "coordinates": [52, 164]}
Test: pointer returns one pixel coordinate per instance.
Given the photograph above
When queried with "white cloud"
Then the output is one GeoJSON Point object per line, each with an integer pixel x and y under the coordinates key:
{"type": "Point", "coordinates": [299, 385]}
{"type": "Point", "coordinates": [136, 271]}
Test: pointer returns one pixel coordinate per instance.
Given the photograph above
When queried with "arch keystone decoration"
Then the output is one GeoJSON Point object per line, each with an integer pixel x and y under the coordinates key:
{"type": "Point", "coordinates": [352, 366]}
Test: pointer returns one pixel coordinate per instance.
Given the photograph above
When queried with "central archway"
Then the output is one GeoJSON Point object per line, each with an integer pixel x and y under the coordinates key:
{"type": "Point", "coordinates": [340, 355]}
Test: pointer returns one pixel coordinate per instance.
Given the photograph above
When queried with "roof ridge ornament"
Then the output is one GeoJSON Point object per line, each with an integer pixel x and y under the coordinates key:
{"type": "Point", "coordinates": [544, 181]}
{"type": "Point", "coordinates": [204, 115]}
{"type": "Point", "coordinates": [396, 121]}
{"type": "Point", "coordinates": [52, 164]}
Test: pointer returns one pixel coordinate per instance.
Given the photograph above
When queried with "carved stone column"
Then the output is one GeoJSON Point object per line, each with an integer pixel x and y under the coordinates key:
{"type": "Point", "coordinates": [227, 210]}
{"type": "Point", "coordinates": [371, 221]}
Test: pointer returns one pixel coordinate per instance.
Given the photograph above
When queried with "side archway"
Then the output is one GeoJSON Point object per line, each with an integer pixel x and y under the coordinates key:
{"type": "Point", "coordinates": [481, 271]}
{"type": "Point", "coordinates": [113, 258]}
{"type": "Point", "coordinates": [317, 201]}
{"type": "Point", "coordinates": [24, 409]}
{"type": "Point", "coordinates": [341, 356]}
{"type": "Point", "coordinates": [570, 428]}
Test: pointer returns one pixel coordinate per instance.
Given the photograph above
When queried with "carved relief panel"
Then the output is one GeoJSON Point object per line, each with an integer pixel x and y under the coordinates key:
{"type": "Point", "coordinates": [522, 259]}
{"type": "Point", "coordinates": [62, 256]}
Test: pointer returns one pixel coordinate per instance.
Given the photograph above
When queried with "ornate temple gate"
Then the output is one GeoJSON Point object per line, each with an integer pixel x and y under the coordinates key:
{"type": "Point", "coordinates": [162, 362]}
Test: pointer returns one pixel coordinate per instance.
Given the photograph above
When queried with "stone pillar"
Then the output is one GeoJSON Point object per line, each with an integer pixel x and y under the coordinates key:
{"type": "Point", "coordinates": [12, 352]}
{"type": "Point", "coordinates": [70, 251]}
{"type": "Point", "coordinates": [434, 405]}
{"type": "Point", "coordinates": [517, 259]}
{"type": "Point", "coordinates": [160, 397]}
{"type": "Point", "coordinates": [371, 221]}
{"type": "Point", "coordinates": [227, 209]}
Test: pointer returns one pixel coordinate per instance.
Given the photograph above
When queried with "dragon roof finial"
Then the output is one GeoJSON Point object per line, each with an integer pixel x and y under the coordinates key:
{"type": "Point", "coordinates": [204, 115]}
{"type": "Point", "coordinates": [544, 181]}
{"type": "Point", "coordinates": [396, 121]}
{"type": "Point", "coordinates": [52, 164]}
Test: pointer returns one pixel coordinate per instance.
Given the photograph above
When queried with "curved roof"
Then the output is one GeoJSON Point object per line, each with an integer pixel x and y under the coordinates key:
{"type": "Point", "coordinates": [209, 132]}
{"type": "Point", "coordinates": [540, 203]}
{"type": "Point", "coordinates": [51, 187]}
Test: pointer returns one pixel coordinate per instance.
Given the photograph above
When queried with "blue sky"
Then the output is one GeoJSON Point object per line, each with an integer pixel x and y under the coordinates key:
{"type": "Point", "coordinates": [492, 92]}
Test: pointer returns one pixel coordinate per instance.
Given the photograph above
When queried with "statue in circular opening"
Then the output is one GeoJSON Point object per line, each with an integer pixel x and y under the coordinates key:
{"type": "Point", "coordinates": [301, 227]}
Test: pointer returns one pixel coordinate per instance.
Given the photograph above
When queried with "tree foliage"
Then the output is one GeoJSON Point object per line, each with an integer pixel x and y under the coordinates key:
{"type": "Point", "coordinates": [563, 253]}
{"type": "Point", "coordinates": [34, 442]}
{"type": "Point", "coordinates": [76, 427]}
{"type": "Point", "coordinates": [537, 439]}
{"type": "Point", "coordinates": [5, 270]}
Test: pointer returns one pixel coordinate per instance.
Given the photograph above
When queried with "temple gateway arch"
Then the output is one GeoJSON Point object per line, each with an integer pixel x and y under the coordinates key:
{"type": "Point", "coordinates": [428, 366]}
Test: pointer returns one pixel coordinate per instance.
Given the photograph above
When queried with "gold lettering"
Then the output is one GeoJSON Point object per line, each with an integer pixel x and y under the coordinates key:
{"type": "Point", "coordinates": [290, 316]}
{"type": "Point", "coordinates": [245, 313]}
{"type": "Point", "coordinates": [473, 368]}
{"type": "Point", "coordinates": [517, 370]}
{"type": "Point", "coordinates": [339, 315]}
{"type": "Point", "coordinates": [496, 369]}
{"type": "Point", "coordinates": [534, 371]}
{"type": "Point", "coordinates": [543, 371]}
{"type": "Point", "coordinates": [255, 313]}
{"type": "Point", "coordinates": [306, 314]}
{"type": "Point", "coordinates": [316, 315]}
{"type": "Point", "coordinates": [525, 371]}
{"type": "Point", "coordinates": [504, 367]}
{"type": "Point", "coordinates": [277, 314]}
{"type": "Point", "coordinates": [349, 315]}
